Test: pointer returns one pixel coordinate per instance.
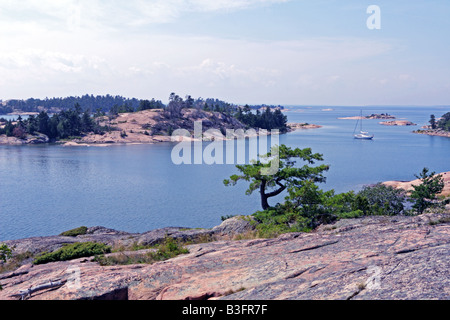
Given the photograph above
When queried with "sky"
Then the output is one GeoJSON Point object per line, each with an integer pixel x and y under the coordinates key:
{"type": "Point", "coordinates": [288, 52]}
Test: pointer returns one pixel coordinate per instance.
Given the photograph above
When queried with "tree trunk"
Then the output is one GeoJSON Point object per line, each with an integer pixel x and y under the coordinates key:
{"type": "Point", "coordinates": [264, 197]}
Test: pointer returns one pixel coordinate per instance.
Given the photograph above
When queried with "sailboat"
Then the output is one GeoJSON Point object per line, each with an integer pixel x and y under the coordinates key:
{"type": "Point", "coordinates": [362, 134]}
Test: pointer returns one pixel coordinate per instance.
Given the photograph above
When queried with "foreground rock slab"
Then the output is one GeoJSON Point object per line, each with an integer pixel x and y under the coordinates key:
{"type": "Point", "coordinates": [370, 258]}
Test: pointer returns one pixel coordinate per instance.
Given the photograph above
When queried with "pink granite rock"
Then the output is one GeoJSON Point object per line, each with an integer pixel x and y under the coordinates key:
{"type": "Point", "coordinates": [369, 258]}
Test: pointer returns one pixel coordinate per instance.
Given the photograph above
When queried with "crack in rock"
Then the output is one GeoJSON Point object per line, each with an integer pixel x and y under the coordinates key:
{"type": "Point", "coordinates": [315, 247]}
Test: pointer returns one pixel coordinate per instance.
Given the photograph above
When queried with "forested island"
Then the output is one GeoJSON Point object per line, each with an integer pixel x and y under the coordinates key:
{"type": "Point", "coordinates": [132, 120]}
{"type": "Point", "coordinates": [371, 117]}
{"type": "Point", "coordinates": [438, 127]}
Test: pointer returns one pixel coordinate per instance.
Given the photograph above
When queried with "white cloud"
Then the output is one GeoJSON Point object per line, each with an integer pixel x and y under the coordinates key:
{"type": "Point", "coordinates": [153, 66]}
{"type": "Point", "coordinates": [69, 47]}
{"type": "Point", "coordinates": [44, 61]}
{"type": "Point", "coordinates": [114, 13]}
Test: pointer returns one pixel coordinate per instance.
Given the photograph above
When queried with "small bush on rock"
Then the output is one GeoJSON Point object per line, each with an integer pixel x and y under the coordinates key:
{"type": "Point", "coordinates": [73, 251]}
{"type": "Point", "coordinates": [75, 232]}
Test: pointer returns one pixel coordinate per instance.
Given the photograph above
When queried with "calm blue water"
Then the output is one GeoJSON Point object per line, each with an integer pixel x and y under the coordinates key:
{"type": "Point", "coordinates": [45, 190]}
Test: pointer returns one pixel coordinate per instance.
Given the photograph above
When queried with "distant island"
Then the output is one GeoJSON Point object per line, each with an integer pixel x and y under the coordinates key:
{"type": "Point", "coordinates": [438, 127]}
{"type": "Point", "coordinates": [372, 116]}
{"type": "Point", "coordinates": [149, 121]}
{"type": "Point", "coordinates": [398, 123]}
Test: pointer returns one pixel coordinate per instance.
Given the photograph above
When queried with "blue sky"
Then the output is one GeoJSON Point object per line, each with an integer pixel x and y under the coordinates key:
{"type": "Point", "coordinates": [243, 51]}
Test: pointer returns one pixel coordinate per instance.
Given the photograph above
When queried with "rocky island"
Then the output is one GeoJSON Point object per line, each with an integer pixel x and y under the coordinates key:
{"type": "Point", "coordinates": [438, 127]}
{"type": "Point", "coordinates": [398, 123]}
{"type": "Point", "coordinates": [151, 122]}
{"type": "Point", "coordinates": [434, 132]}
{"type": "Point", "coordinates": [372, 116]}
{"type": "Point", "coordinates": [302, 126]}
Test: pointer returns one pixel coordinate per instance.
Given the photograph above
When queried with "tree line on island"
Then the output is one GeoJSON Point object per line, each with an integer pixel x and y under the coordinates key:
{"type": "Point", "coordinates": [68, 123]}
{"type": "Point", "coordinates": [53, 105]}
{"type": "Point", "coordinates": [79, 119]}
{"type": "Point", "coordinates": [442, 124]}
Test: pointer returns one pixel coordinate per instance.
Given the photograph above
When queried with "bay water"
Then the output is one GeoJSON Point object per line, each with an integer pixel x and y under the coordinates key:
{"type": "Point", "coordinates": [48, 189]}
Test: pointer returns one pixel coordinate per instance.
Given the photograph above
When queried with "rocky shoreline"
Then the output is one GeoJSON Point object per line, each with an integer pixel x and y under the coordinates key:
{"type": "Point", "coordinates": [302, 126]}
{"type": "Point", "coordinates": [408, 185]}
{"type": "Point", "coordinates": [436, 132]}
{"type": "Point", "coordinates": [371, 117]}
{"type": "Point", "coordinates": [151, 126]}
{"type": "Point", "coordinates": [369, 258]}
{"type": "Point", "coordinates": [29, 140]}
{"type": "Point", "coordinates": [398, 123]}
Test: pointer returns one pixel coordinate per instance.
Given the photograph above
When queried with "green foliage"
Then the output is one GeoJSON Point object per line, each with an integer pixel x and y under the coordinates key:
{"type": "Point", "coordinates": [380, 200]}
{"type": "Point", "coordinates": [312, 204]}
{"type": "Point", "coordinates": [124, 108]}
{"type": "Point", "coordinates": [100, 103]}
{"type": "Point", "coordinates": [5, 253]}
{"type": "Point", "coordinates": [424, 195]}
{"type": "Point", "coordinates": [68, 123]}
{"type": "Point", "coordinates": [170, 248]}
{"type": "Point", "coordinates": [444, 122]}
{"type": "Point", "coordinates": [275, 221]}
{"type": "Point", "coordinates": [287, 175]}
{"type": "Point", "coordinates": [433, 121]}
{"type": "Point", "coordinates": [73, 251]}
{"type": "Point", "coordinates": [226, 217]}
{"type": "Point", "coordinates": [75, 232]}
{"type": "Point", "coordinates": [351, 214]}
{"type": "Point", "coordinates": [265, 120]}
{"type": "Point", "coordinates": [306, 206]}
{"type": "Point", "coordinates": [150, 104]}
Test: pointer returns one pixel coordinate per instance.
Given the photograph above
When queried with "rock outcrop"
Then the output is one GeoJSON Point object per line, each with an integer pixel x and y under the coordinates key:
{"type": "Point", "coordinates": [435, 132]}
{"type": "Point", "coordinates": [372, 117]}
{"type": "Point", "coordinates": [398, 123]}
{"type": "Point", "coordinates": [152, 126]}
{"type": "Point", "coordinates": [37, 138]}
{"type": "Point", "coordinates": [302, 126]}
{"type": "Point", "coordinates": [369, 258]}
{"type": "Point", "coordinates": [408, 185]}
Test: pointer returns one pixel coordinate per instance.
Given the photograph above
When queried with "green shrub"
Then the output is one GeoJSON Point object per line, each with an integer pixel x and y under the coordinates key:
{"type": "Point", "coordinates": [170, 248]}
{"type": "Point", "coordinates": [424, 194]}
{"type": "Point", "coordinates": [5, 253]}
{"type": "Point", "coordinates": [275, 221]}
{"type": "Point", "coordinates": [351, 214]}
{"type": "Point", "coordinates": [73, 251]}
{"type": "Point", "coordinates": [380, 200]}
{"type": "Point", "coordinates": [75, 232]}
{"type": "Point", "coordinates": [228, 216]}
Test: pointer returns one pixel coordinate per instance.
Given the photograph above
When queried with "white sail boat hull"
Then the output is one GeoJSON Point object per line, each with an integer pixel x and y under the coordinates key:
{"type": "Point", "coordinates": [362, 135]}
